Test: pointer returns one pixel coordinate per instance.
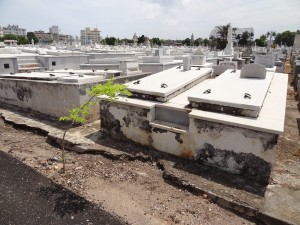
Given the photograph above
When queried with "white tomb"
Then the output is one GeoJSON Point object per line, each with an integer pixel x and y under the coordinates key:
{"type": "Point", "coordinates": [233, 94]}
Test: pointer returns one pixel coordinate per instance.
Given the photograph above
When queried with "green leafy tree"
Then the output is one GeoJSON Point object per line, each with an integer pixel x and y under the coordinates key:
{"type": "Point", "coordinates": [245, 39]}
{"type": "Point", "coordinates": [156, 41]}
{"type": "Point", "coordinates": [205, 42]}
{"type": "Point", "coordinates": [186, 42]}
{"type": "Point", "coordinates": [110, 40]}
{"type": "Point", "coordinates": [222, 32]}
{"type": "Point", "coordinates": [285, 38]}
{"type": "Point", "coordinates": [79, 115]}
{"type": "Point", "coordinates": [126, 41]}
{"type": "Point", "coordinates": [142, 39]}
{"type": "Point", "coordinates": [198, 41]}
{"type": "Point", "coordinates": [212, 42]}
{"type": "Point", "coordinates": [23, 40]}
{"type": "Point", "coordinates": [9, 37]}
{"type": "Point", "coordinates": [30, 36]}
{"type": "Point", "coordinates": [261, 41]}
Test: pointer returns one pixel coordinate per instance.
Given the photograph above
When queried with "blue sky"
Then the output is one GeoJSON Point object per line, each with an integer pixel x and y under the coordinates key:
{"type": "Point", "coordinates": [167, 19]}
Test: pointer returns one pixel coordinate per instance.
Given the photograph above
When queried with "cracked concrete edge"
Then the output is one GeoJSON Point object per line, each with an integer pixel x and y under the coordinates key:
{"type": "Point", "coordinates": [55, 135]}
{"type": "Point", "coordinates": [29, 123]}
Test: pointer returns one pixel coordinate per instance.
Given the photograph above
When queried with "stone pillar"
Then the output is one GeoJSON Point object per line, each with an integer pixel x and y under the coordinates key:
{"type": "Point", "coordinates": [187, 63]}
{"type": "Point", "coordinates": [229, 47]}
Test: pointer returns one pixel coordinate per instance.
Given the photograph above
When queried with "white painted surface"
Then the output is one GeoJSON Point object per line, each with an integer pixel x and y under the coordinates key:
{"type": "Point", "coordinates": [182, 99]}
{"type": "Point", "coordinates": [146, 104]}
{"type": "Point", "coordinates": [174, 78]}
{"type": "Point", "coordinates": [34, 75]}
{"type": "Point", "coordinates": [80, 79]}
{"type": "Point", "coordinates": [272, 114]}
{"type": "Point", "coordinates": [229, 89]}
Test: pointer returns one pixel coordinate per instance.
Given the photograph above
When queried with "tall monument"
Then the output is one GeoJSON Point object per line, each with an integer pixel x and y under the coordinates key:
{"type": "Point", "coordinates": [297, 41]}
{"type": "Point", "coordinates": [229, 47]}
{"type": "Point", "coordinates": [192, 40]}
{"type": "Point", "coordinates": [135, 39]}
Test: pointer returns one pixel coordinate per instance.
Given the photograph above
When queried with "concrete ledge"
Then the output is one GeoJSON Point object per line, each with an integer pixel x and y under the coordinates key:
{"type": "Point", "coordinates": [146, 104]}
{"type": "Point", "coordinates": [170, 127]}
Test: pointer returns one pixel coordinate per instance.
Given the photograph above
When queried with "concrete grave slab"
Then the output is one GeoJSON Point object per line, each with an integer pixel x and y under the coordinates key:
{"type": "Point", "coordinates": [167, 84]}
{"type": "Point", "coordinates": [34, 76]}
{"type": "Point", "coordinates": [231, 94]}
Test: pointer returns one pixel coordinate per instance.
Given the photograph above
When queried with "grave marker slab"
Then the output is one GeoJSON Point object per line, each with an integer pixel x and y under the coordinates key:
{"type": "Point", "coordinates": [167, 84]}
{"type": "Point", "coordinates": [231, 94]}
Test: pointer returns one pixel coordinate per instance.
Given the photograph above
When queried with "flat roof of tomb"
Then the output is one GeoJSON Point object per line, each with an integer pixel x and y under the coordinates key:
{"type": "Point", "coordinates": [167, 83]}
{"type": "Point", "coordinates": [52, 76]}
{"type": "Point", "coordinates": [241, 96]}
{"type": "Point", "coordinates": [271, 117]}
{"type": "Point", "coordinates": [15, 55]}
{"type": "Point", "coordinates": [88, 72]}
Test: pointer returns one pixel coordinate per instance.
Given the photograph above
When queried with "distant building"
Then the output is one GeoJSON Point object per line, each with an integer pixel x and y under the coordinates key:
{"type": "Point", "coordinates": [89, 36]}
{"type": "Point", "coordinates": [1, 31]}
{"type": "Point", "coordinates": [54, 30]}
{"type": "Point", "coordinates": [58, 37]}
{"type": "Point", "coordinates": [14, 29]}
{"type": "Point", "coordinates": [43, 37]}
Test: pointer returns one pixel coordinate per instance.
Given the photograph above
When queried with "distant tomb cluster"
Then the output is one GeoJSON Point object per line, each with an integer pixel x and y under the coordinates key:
{"type": "Point", "coordinates": [224, 108]}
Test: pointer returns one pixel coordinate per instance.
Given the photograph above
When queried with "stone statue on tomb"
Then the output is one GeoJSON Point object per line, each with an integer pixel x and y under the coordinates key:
{"type": "Point", "coordinates": [148, 43]}
{"type": "Point", "coordinates": [135, 39]}
{"type": "Point", "coordinates": [32, 41]}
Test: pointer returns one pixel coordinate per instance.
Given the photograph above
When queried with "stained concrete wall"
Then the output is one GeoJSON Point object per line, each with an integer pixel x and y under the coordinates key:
{"type": "Point", "coordinates": [237, 150]}
{"type": "Point", "coordinates": [50, 98]}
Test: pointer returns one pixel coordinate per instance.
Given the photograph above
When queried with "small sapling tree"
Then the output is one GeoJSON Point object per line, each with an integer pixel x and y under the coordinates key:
{"type": "Point", "coordinates": [78, 115]}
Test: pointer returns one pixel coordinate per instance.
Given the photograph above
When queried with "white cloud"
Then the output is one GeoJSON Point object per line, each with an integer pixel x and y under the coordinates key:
{"type": "Point", "coordinates": [171, 22]}
{"type": "Point", "coordinates": [152, 10]}
{"type": "Point", "coordinates": [160, 18]}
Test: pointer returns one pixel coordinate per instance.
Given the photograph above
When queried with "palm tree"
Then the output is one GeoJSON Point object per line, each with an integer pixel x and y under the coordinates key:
{"type": "Point", "coordinates": [270, 34]}
{"type": "Point", "coordinates": [233, 31]}
{"type": "Point", "coordinates": [222, 32]}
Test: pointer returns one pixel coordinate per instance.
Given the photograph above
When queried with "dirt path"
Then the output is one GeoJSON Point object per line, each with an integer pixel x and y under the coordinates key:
{"type": "Point", "coordinates": [133, 190]}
